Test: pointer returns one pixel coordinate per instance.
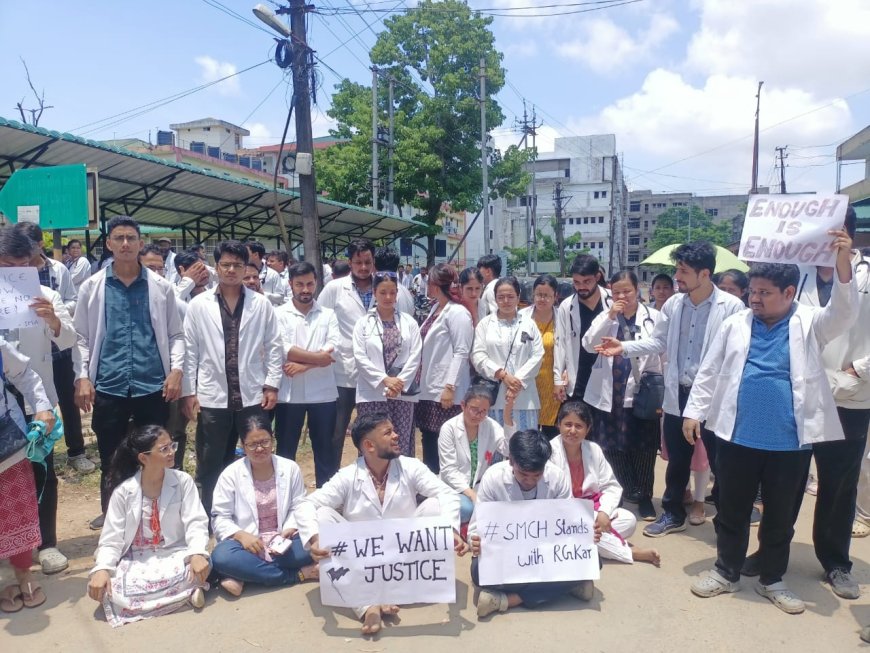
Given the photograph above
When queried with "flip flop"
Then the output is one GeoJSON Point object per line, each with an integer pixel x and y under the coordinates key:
{"type": "Point", "coordinates": [10, 599]}
{"type": "Point", "coordinates": [860, 529]}
{"type": "Point", "coordinates": [34, 597]}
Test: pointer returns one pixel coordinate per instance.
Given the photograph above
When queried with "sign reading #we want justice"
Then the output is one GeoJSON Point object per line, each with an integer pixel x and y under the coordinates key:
{"type": "Point", "coordinates": [792, 228]}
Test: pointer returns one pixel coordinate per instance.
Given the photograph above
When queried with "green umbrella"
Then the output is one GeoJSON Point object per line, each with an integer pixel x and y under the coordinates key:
{"type": "Point", "coordinates": [725, 260]}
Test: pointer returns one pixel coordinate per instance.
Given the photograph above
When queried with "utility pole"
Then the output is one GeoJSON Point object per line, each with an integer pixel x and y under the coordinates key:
{"type": "Point", "coordinates": [484, 158]}
{"type": "Point", "coordinates": [559, 202]}
{"type": "Point", "coordinates": [535, 187]}
{"type": "Point", "coordinates": [529, 128]}
{"type": "Point", "coordinates": [375, 189]}
{"type": "Point", "coordinates": [754, 189]}
{"type": "Point", "coordinates": [391, 178]}
{"type": "Point", "coordinates": [782, 157]}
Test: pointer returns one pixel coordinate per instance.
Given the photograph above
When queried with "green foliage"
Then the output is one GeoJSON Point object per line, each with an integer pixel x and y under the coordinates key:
{"type": "Point", "coordinates": [680, 224]}
{"type": "Point", "coordinates": [547, 249]}
{"type": "Point", "coordinates": [437, 122]}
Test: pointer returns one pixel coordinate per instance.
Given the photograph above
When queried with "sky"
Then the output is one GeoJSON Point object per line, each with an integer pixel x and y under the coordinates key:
{"type": "Point", "coordinates": [675, 80]}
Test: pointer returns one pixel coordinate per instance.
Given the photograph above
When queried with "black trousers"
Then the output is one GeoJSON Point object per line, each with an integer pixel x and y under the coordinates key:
{"type": "Point", "coordinates": [64, 383]}
{"type": "Point", "coordinates": [343, 408]}
{"type": "Point", "coordinates": [46, 493]}
{"type": "Point", "coordinates": [176, 424]}
{"type": "Point", "coordinates": [838, 465]}
{"type": "Point", "coordinates": [782, 476]}
{"type": "Point", "coordinates": [111, 422]}
{"type": "Point", "coordinates": [634, 469]}
{"type": "Point", "coordinates": [289, 419]}
{"type": "Point", "coordinates": [431, 457]}
{"type": "Point", "coordinates": [680, 459]}
{"type": "Point", "coordinates": [217, 432]}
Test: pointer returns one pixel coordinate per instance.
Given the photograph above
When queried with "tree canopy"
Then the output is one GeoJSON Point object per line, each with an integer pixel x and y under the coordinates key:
{"type": "Point", "coordinates": [682, 224]}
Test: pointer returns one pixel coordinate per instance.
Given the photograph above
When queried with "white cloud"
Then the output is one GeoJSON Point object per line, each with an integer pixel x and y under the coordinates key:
{"type": "Point", "coordinates": [260, 134]}
{"type": "Point", "coordinates": [211, 70]}
{"type": "Point", "coordinates": [605, 46]}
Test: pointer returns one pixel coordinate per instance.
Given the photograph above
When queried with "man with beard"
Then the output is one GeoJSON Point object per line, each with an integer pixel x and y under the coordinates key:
{"type": "Point", "coordinates": [688, 323]}
{"type": "Point", "coordinates": [572, 365]}
{"type": "Point", "coordinates": [311, 336]}
{"type": "Point", "coordinates": [358, 491]}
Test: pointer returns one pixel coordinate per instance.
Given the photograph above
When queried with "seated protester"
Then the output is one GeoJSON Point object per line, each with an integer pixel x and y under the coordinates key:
{"type": "Point", "coordinates": [252, 513]}
{"type": "Point", "coordinates": [526, 476]}
{"type": "Point", "coordinates": [357, 492]}
{"type": "Point", "coordinates": [466, 447]}
{"type": "Point", "coordinates": [592, 478]}
{"type": "Point", "coordinates": [151, 558]}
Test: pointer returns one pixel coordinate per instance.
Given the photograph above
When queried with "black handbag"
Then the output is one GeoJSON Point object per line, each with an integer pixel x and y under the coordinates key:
{"type": "Point", "coordinates": [12, 438]}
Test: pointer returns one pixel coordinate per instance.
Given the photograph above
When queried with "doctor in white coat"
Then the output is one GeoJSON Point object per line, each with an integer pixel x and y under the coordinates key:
{"type": "Point", "coordinates": [386, 345]}
{"type": "Point", "coordinates": [763, 390]}
{"type": "Point", "coordinates": [232, 366]}
{"type": "Point", "coordinates": [381, 484]}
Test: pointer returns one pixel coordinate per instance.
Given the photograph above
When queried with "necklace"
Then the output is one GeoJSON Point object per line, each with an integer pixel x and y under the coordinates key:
{"type": "Point", "coordinates": [380, 485]}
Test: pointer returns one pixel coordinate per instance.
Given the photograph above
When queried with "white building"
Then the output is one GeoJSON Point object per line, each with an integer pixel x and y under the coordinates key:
{"type": "Point", "coordinates": [594, 195]}
{"type": "Point", "coordinates": [221, 137]}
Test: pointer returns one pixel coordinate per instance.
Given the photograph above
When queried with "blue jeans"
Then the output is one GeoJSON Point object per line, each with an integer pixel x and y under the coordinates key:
{"type": "Point", "coordinates": [466, 507]}
{"type": "Point", "coordinates": [230, 559]}
{"type": "Point", "coordinates": [531, 594]}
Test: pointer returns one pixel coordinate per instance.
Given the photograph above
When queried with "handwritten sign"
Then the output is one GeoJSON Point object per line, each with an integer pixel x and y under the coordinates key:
{"type": "Point", "coordinates": [536, 541]}
{"type": "Point", "coordinates": [792, 228]}
{"type": "Point", "coordinates": [18, 288]}
{"type": "Point", "coordinates": [388, 561]}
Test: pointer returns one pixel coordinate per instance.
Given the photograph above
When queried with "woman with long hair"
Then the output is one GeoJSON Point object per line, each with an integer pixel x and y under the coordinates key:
{"type": "Point", "coordinates": [543, 312]}
{"type": "Point", "coordinates": [151, 559]}
{"type": "Point", "coordinates": [447, 333]}
{"type": "Point", "coordinates": [470, 289]}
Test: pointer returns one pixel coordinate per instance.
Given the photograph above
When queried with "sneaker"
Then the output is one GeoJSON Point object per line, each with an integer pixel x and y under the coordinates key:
{"type": "Point", "coordinates": [81, 464]}
{"type": "Point", "coordinates": [782, 597]}
{"type": "Point", "coordinates": [666, 523]}
{"type": "Point", "coordinates": [842, 584]}
{"type": "Point", "coordinates": [812, 485]}
{"type": "Point", "coordinates": [52, 561]}
{"type": "Point", "coordinates": [750, 566]}
{"type": "Point", "coordinates": [491, 601]}
{"type": "Point", "coordinates": [97, 523]}
{"type": "Point", "coordinates": [632, 497]}
{"type": "Point", "coordinates": [713, 584]}
{"type": "Point", "coordinates": [646, 509]}
{"type": "Point", "coordinates": [197, 599]}
{"type": "Point", "coordinates": [583, 591]}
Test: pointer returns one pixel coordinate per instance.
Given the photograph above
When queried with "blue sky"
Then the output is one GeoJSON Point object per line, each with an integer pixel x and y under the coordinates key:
{"type": "Point", "coordinates": [674, 80]}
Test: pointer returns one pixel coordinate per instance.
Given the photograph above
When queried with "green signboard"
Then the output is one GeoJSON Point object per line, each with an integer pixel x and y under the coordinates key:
{"type": "Point", "coordinates": [54, 197]}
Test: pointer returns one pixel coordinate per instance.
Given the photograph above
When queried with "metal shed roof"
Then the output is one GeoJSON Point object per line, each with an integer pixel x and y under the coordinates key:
{"type": "Point", "coordinates": [181, 196]}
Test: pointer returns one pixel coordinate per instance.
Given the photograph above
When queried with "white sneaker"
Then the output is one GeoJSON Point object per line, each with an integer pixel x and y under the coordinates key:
{"type": "Point", "coordinates": [52, 561]}
{"type": "Point", "coordinates": [197, 599]}
{"type": "Point", "coordinates": [491, 601]}
{"type": "Point", "coordinates": [713, 584]}
{"type": "Point", "coordinates": [81, 464]}
{"type": "Point", "coordinates": [812, 485]}
{"type": "Point", "coordinates": [782, 597]}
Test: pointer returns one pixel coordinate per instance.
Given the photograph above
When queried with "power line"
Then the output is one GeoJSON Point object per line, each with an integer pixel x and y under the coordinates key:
{"type": "Point", "coordinates": [504, 12]}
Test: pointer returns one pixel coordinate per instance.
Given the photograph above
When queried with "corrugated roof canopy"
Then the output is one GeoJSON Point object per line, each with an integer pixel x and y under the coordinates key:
{"type": "Point", "coordinates": [177, 195]}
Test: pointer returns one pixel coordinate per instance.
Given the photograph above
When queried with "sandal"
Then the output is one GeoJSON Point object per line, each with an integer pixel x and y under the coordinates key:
{"type": "Point", "coordinates": [10, 599]}
{"type": "Point", "coordinates": [860, 529]}
{"type": "Point", "coordinates": [33, 597]}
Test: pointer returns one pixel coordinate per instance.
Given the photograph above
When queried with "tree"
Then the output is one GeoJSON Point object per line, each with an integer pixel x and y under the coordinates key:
{"type": "Point", "coordinates": [547, 249]}
{"type": "Point", "coordinates": [35, 114]}
{"type": "Point", "coordinates": [684, 224]}
{"type": "Point", "coordinates": [437, 119]}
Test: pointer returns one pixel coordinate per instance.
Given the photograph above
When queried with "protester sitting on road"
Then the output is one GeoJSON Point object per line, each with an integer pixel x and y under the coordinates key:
{"type": "Point", "coordinates": [467, 446]}
{"type": "Point", "coordinates": [592, 478]}
{"type": "Point", "coordinates": [252, 517]}
{"type": "Point", "coordinates": [528, 475]}
{"type": "Point", "coordinates": [357, 493]}
{"type": "Point", "coordinates": [152, 557]}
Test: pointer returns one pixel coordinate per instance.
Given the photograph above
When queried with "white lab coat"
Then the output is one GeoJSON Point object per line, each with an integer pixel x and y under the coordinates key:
{"type": "Point", "coordinates": [446, 349]}
{"type": "Point", "coordinates": [666, 340]}
{"type": "Point", "coordinates": [341, 296]}
{"type": "Point", "coordinates": [35, 343]}
{"type": "Point", "coordinates": [597, 473]}
{"type": "Point", "coordinates": [599, 390]}
{"type": "Point", "coordinates": [260, 350]}
{"type": "Point", "coordinates": [90, 324]}
{"type": "Point", "coordinates": [169, 271]}
{"type": "Point", "coordinates": [714, 392]}
{"type": "Point", "coordinates": [80, 271]}
{"type": "Point", "coordinates": [853, 347]}
{"type": "Point", "coordinates": [569, 342]}
{"type": "Point", "coordinates": [313, 332]}
{"type": "Point", "coordinates": [499, 484]}
{"type": "Point", "coordinates": [490, 354]}
{"type": "Point", "coordinates": [487, 303]}
{"type": "Point", "coordinates": [183, 522]}
{"type": "Point", "coordinates": [273, 286]}
{"type": "Point", "coordinates": [368, 349]}
{"type": "Point", "coordinates": [234, 506]}
{"type": "Point", "coordinates": [61, 281]}
{"type": "Point", "coordinates": [352, 493]}
{"type": "Point", "coordinates": [454, 451]}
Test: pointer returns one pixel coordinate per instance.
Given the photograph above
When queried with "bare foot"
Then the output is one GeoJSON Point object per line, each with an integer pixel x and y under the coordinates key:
{"type": "Point", "coordinates": [310, 572]}
{"type": "Point", "coordinates": [646, 555]}
{"type": "Point", "coordinates": [389, 609]}
{"type": "Point", "coordinates": [233, 586]}
{"type": "Point", "coordinates": [372, 620]}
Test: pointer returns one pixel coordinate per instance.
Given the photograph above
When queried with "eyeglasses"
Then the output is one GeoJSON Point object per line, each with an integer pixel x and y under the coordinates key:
{"type": "Point", "coordinates": [231, 266]}
{"type": "Point", "coordinates": [164, 450]}
{"type": "Point", "coordinates": [263, 445]}
{"type": "Point", "coordinates": [125, 239]}
{"type": "Point", "coordinates": [476, 412]}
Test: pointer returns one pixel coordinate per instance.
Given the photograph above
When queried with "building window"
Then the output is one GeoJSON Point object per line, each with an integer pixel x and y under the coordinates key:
{"type": "Point", "coordinates": [634, 224]}
{"type": "Point", "coordinates": [604, 194]}
{"type": "Point", "coordinates": [679, 204]}
{"type": "Point", "coordinates": [600, 219]}
{"type": "Point", "coordinates": [646, 208]}
{"type": "Point", "coordinates": [633, 257]}
{"type": "Point", "coordinates": [585, 220]}
{"type": "Point", "coordinates": [712, 212]}
{"type": "Point", "coordinates": [634, 207]}
{"type": "Point", "coordinates": [645, 275]}
{"type": "Point", "coordinates": [634, 240]}
{"type": "Point", "coordinates": [601, 244]}
{"type": "Point", "coordinates": [646, 224]}
{"type": "Point", "coordinates": [596, 195]}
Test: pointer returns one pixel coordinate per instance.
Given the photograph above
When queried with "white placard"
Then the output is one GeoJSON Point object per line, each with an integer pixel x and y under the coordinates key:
{"type": "Point", "coordinates": [29, 214]}
{"type": "Point", "coordinates": [388, 561]}
{"type": "Point", "coordinates": [536, 541]}
{"type": "Point", "coordinates": [792, 228]}
{"type": "Point", "coordinates": [18, 288]}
